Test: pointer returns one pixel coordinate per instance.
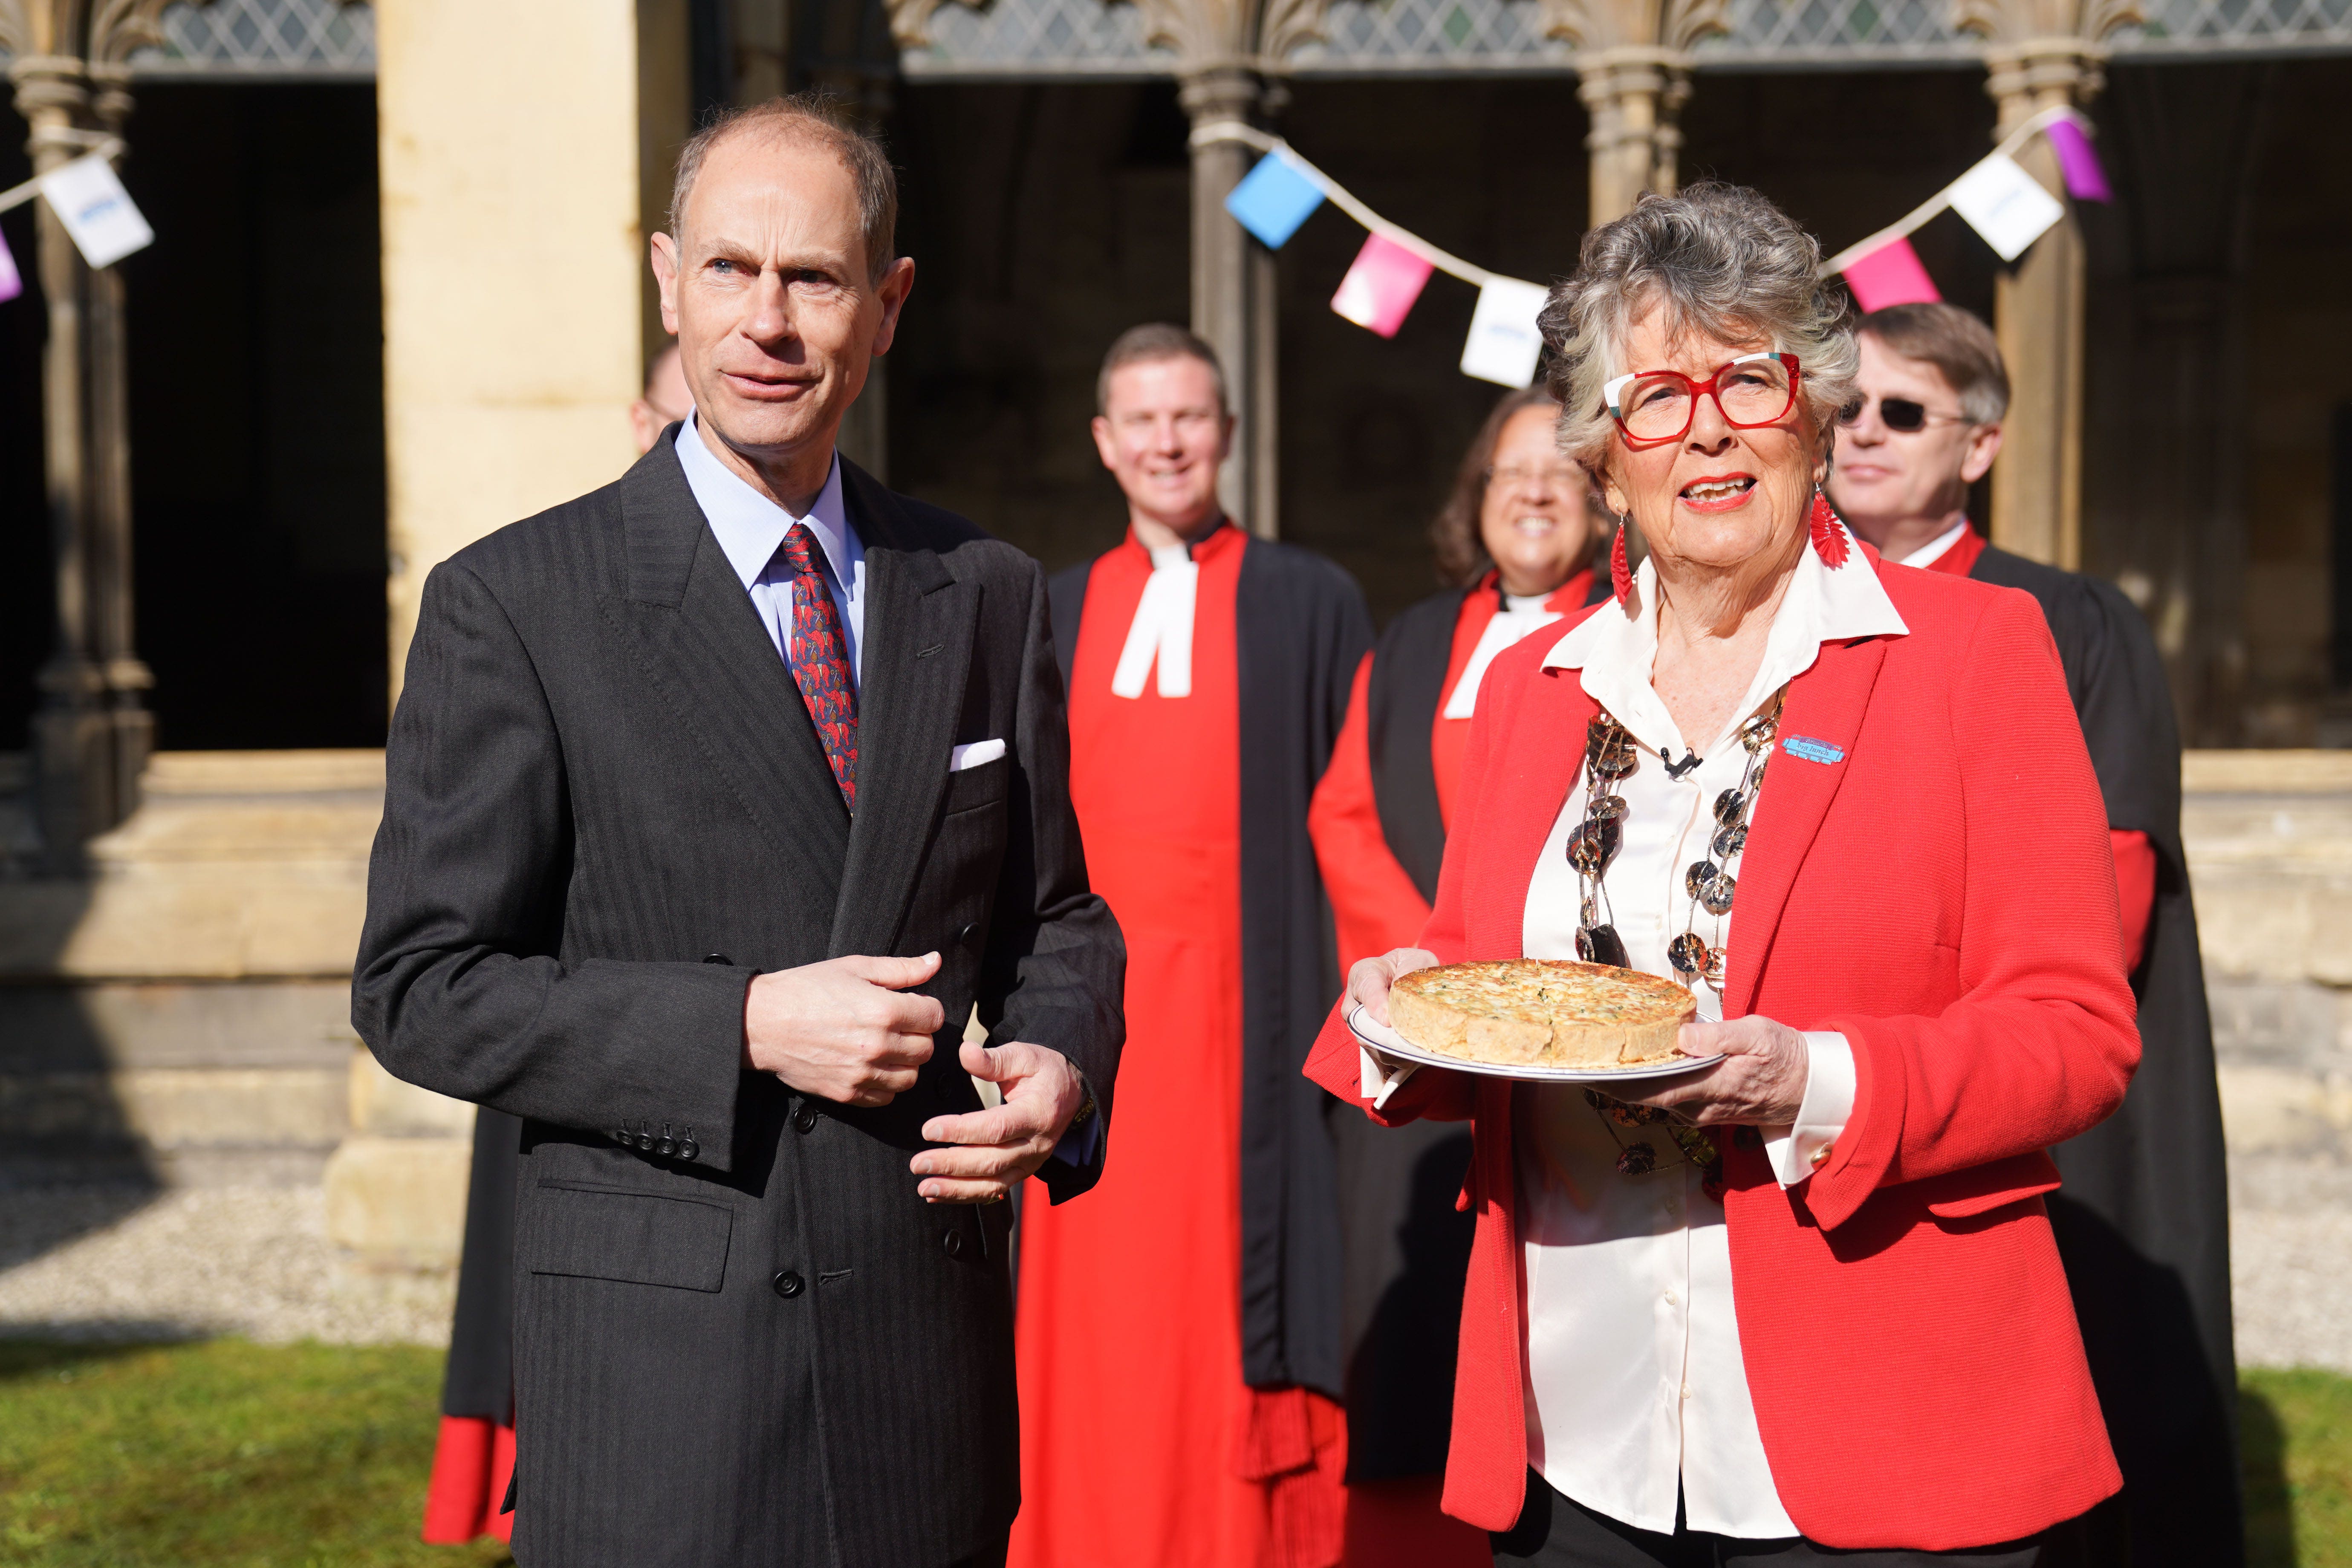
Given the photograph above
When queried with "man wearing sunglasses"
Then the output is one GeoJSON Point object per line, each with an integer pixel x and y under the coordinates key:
{"type": "Point", "coordinates": [2143, 1218]}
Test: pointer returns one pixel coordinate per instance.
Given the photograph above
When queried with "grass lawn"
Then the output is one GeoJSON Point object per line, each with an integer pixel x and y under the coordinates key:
{"type": "Point", "coordinates": [2298, 1433]}
{"type": "Point", "coordinates": [225, 1455]}
{"type": "Point", "coordinates": [229, 1455]}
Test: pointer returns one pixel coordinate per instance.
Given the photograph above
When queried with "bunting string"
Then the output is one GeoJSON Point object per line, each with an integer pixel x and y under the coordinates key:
{"type": "Point", "coordinates": [1340, 196]}
{"type": "Point", "coordinates": [1913, 221]}
{"type": "Point", "coordinates": [2007, 207]}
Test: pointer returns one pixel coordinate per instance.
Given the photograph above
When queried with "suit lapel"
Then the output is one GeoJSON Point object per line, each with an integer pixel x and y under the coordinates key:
{"type": "Point", "coordinates": [693, 632]}
{"type": "Point", "coordinates": [1826, 705]}
{"type": "Point", "coordinates": [919, 622]}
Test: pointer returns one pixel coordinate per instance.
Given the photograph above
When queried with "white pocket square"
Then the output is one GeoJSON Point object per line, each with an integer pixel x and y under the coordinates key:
{"type": "Point", "coordinates": [972, 755]}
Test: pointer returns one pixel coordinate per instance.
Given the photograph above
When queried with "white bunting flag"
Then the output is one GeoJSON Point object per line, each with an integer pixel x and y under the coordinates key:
{"type": "Point", "coordinates": [96, 210]}
{"type": "Point", "coordinates": [1504, 342]}
{"type": "Point", "coordinates": [2005, 205]}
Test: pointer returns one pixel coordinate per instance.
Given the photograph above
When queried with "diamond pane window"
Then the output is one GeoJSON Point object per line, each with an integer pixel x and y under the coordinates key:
{"type": "Point", "coordinates": [2203, 26]}
{"type": "Point", "coordinates": [1430, 36]}
{"type": "Point", "coordinates": [1836, 32]}
{"type": "Point", "coordinates": [1036, 38]}
{"type": "Point", "coordinates": [263, 37]}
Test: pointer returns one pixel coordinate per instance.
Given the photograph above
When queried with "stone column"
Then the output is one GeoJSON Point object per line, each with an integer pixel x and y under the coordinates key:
{"type": "Point", "coordinates": [130, 727]}
{"type": "Point", "coordinates": [842, 55]}
{"type": "Point", "coordinates": [514, 266]}
{"type": "Point", "coordinates": [1232, 292]}
{"type": "Point", "coordinates": [1632, 97]}
{"type": "Point", "coordinates": [91, 733]}
{"type": "Point", "coordinates": [2037, 483]}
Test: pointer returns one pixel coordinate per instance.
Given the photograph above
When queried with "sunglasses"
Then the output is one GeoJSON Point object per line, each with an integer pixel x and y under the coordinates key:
{"type": "Point", "coordinates": [1898, 414]}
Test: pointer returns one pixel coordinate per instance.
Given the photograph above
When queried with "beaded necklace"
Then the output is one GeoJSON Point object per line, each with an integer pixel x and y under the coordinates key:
{"type": "Point", "coordinates": [1611, 755]}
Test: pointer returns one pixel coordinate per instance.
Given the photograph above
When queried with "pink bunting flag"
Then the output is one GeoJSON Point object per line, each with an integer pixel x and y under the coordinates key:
{"type": "Point", "coordinates": [1379, 288]}
{"type": "Point", "coordinates": [1891, 275]}
{"type": "Point", "coordinates": [2078, 162]}
{"type": "Point", "coordinates": [11, 284]}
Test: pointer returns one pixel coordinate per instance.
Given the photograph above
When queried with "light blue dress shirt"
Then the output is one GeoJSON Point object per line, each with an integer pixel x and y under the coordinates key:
{"type": "Point", "coordinates": [749, 526]}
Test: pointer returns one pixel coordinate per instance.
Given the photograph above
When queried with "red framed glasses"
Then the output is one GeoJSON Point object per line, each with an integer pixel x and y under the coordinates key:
{"type": "Point", "coordinates": [1653, 406]}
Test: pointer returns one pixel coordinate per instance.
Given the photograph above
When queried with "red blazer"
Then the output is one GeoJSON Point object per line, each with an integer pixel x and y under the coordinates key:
{"type": "Point", "coordinates": [1944, 895]}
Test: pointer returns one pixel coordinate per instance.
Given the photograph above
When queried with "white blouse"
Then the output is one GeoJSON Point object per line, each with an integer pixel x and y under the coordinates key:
{"type": "Point", "coordinates": [1635, 1389]}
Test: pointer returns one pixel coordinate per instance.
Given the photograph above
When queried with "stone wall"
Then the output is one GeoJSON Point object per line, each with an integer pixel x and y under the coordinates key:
{"type": "Point", "coordinates": [181, 1018]}
{"type": "Point", "coordinates": [2269, 836]}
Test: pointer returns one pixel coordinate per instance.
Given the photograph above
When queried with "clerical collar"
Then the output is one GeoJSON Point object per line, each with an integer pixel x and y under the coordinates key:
{"type": "Point", "coordinates": [1935, 548]}
{"type": "Point", "coordinates": [1176, 554]}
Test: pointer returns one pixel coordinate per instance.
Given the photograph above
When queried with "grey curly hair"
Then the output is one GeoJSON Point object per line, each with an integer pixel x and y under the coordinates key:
{"type": "Point", "coordinates": [1724, 261]}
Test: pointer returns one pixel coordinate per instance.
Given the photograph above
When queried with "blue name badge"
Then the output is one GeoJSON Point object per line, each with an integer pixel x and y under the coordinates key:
{"type": "Point", "coordinates": [1813, 750]}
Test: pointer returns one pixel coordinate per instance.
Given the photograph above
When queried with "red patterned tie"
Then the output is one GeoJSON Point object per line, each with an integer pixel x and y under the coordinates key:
{"type": "Point", "coordinates": [821, 658]}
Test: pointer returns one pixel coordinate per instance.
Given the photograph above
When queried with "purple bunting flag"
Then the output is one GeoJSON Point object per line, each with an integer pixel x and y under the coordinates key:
{"type": "Point", "coordinates": [2078, 162]}
{"type": "Point", "coordinates": [11, 283]}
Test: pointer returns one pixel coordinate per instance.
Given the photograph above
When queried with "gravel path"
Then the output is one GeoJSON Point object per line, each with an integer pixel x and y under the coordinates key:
{"type": "Point", "coordinates": [107, 1263]}
{"type": "Point", "coordinates": [253, 1262]}
{"type": "Point", "coordinates": [2291, 1288]}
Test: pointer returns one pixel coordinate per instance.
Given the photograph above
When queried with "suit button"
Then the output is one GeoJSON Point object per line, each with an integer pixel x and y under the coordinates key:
{"type": "Point", "coordinates": [804, 1119]}
{"type": "Point", "coordinates": [967, 933]}
{"type": "Point", "coordinates": [789, 1284]}
{"type": "Point", "coordinates": [716, 958]}
{"type": "Point", "coordinates": [687, 1147]}
{"type": "Point", "coordinates": [1744, 1137]}
{"type": "Point", "coordinates": [644, 1140]}
{"type": "Point", "coordinates": [953, 1241]}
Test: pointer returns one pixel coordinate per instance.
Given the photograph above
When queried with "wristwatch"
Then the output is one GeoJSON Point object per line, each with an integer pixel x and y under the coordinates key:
{"type": "Point", "coordinates": [1085, 1106]}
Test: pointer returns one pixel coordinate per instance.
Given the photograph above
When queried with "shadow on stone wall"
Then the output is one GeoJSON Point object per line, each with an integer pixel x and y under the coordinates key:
{"type": "Point", "coordinates": [64, 1127]}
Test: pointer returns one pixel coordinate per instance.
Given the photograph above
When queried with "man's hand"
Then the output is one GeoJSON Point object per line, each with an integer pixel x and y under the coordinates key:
{"type": "Point", "coordinates": [840, 1030]}
{"type": "Point", "coordinates": [991, 1152]}
{"type": "Point", "coordinates": [1369, 982]}
{"type": "Point", "coordinates": [1761, 1081]}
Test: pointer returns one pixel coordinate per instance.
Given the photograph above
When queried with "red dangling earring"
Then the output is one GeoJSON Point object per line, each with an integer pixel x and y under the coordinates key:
{"type": "Point", "coordinates": [1829, 530]}
{"type": "Point", "coordinates": [1621, 570]}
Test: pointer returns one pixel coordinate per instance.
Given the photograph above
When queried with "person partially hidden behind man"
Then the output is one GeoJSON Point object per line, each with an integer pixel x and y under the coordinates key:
{"type": "Point", "coordinates": [2143, 1218]}
{"type": "Point", "coordinates": [716, 800]}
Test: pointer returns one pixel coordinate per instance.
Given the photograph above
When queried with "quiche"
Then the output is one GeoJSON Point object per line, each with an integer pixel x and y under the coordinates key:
{"type": "Point", "coordinates": [1534, 1011]}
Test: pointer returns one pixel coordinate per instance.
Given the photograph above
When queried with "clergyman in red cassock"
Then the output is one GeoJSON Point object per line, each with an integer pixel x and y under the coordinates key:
{"type": "Point", "coordinates": [1180, 1331]}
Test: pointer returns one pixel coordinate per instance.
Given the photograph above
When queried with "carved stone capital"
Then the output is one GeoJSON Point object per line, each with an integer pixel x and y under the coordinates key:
{"type": "Point", "coordinates": [2043, 54]}
{"type": "Point", "coordinates": [1608, 27]}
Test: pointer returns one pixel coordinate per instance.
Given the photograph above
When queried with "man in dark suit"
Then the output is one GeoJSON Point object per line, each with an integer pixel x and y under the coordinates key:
{"type": "Point", "coordinates": [716, 800]}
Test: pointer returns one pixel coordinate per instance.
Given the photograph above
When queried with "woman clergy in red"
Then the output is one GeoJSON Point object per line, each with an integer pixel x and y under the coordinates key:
{"type": "Point", "coordinates": [1517, 537]}
{"type": "Point", "coordinates": [1849, 807]}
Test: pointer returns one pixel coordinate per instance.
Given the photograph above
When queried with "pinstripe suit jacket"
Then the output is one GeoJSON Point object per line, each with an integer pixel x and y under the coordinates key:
{"type": "Point", "coordinates": [741, 1336]}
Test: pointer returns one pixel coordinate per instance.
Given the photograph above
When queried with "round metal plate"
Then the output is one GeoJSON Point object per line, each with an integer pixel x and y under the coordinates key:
{"type": "Point", "coordinates": [1388, 1042]}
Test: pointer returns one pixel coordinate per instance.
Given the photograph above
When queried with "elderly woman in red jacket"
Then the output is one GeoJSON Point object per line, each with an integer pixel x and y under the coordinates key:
{"type": "Point", "coordinates": [1805, 1297]}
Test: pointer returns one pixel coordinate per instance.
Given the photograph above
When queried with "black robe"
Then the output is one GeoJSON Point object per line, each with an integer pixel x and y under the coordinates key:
{"type": "Point", "coordinates": [479, 1381]}
{"type": "Point", "coordinates": [1408, 1249]}
{"type": "Point", "coordinates": [1301, 629]}
{"type": "Point", "coordinates": [2143, 1220]}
